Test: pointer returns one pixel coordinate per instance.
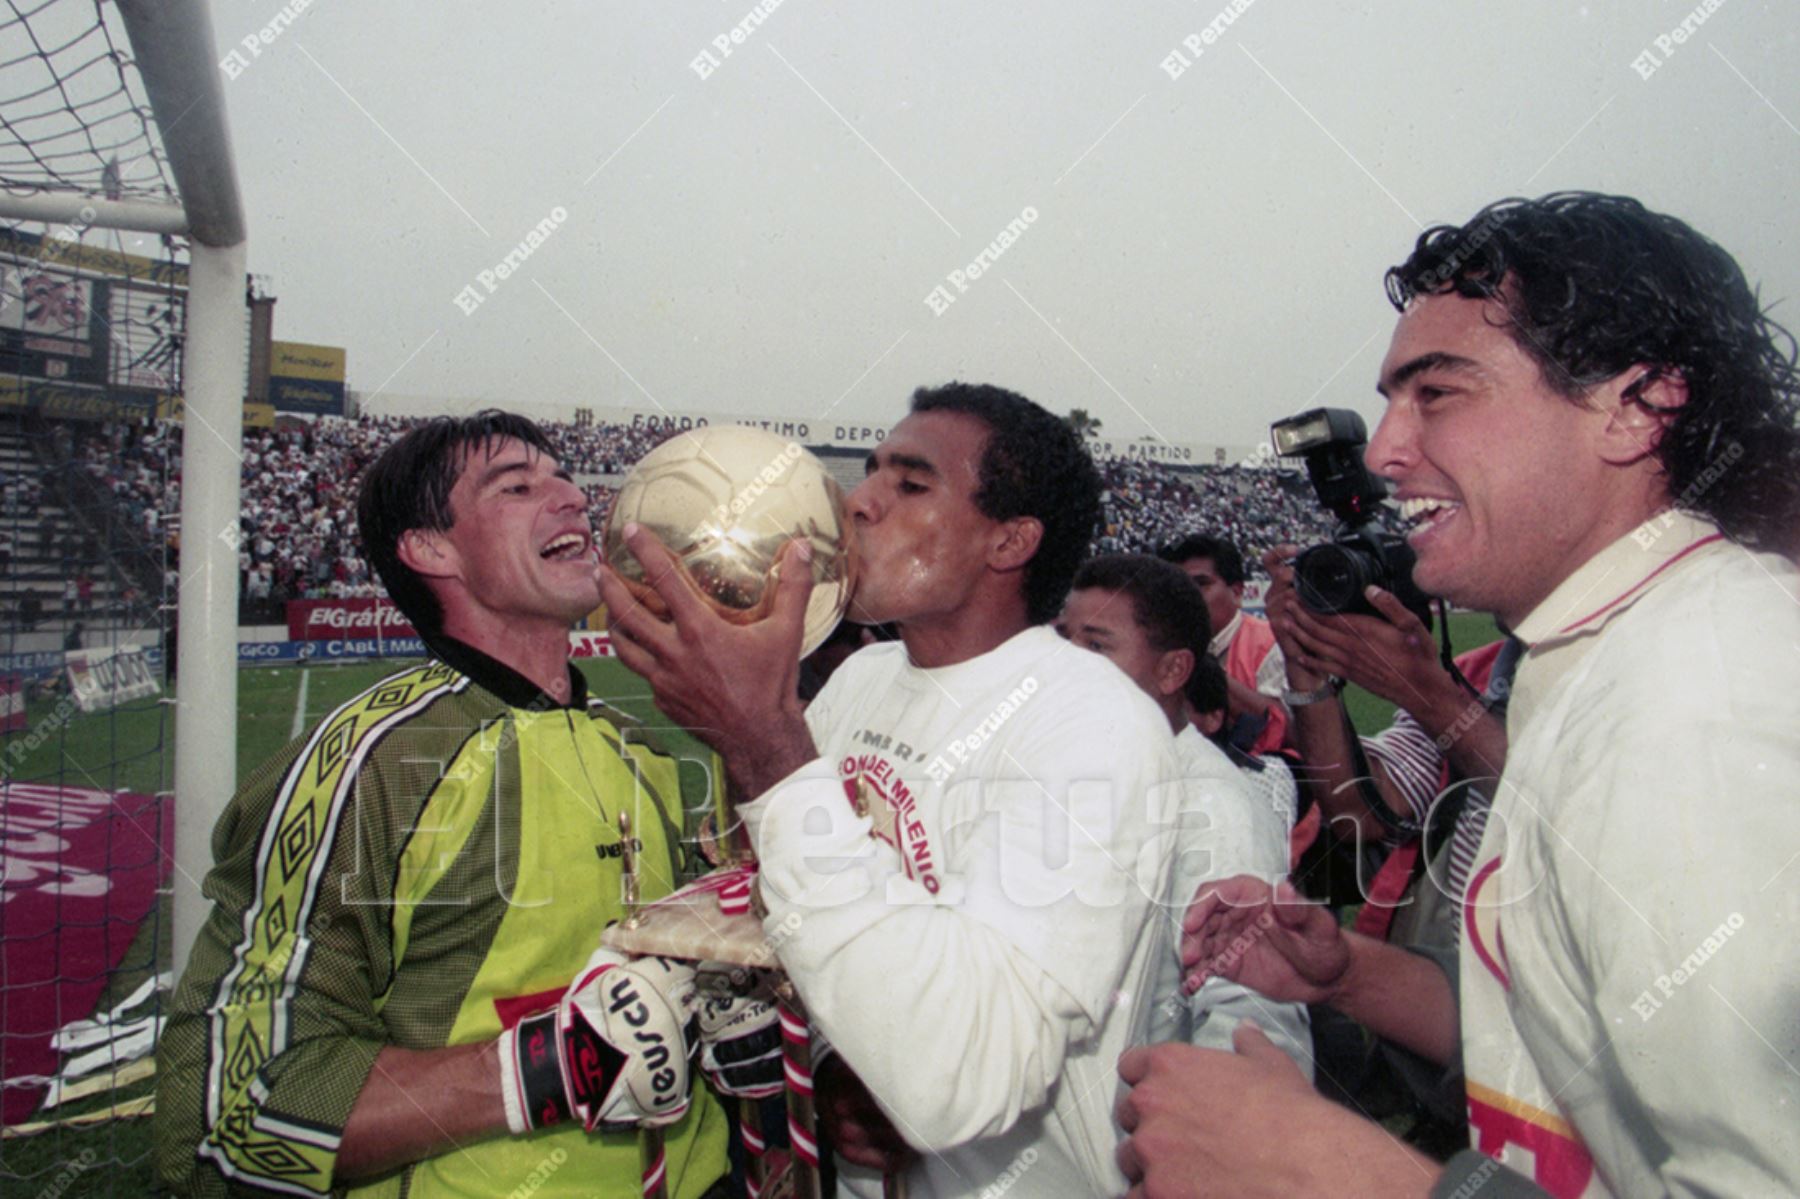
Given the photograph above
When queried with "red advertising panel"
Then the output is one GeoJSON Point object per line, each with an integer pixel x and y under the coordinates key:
{"type": "Point", "coordinates": [336, 619]}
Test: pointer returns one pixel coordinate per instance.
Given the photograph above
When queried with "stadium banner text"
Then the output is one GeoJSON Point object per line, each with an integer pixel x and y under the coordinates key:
{"type": "Point", "coordinates": [850, 435]}
{"type": "Point", "coordinates": [102, 679]}
{"type": "Point", "coordinates": [33, 664]}
{"type": "Point", "coordinates": [306, 378]}
{"type": "Point", "coordinates": [81, 403]}
{"type": "Point", "coordinates": [324, 620]}
{"type": "Point", "coordinates": [582, 644]}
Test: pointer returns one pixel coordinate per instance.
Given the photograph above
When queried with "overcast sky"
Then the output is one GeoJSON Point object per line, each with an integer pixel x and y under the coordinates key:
{"type": "Point", "coordinates": [1203, 252]}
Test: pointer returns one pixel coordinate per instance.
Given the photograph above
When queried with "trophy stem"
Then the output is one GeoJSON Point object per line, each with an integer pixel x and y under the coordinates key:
{"type": "Point", "coordinates": [756, 1167]}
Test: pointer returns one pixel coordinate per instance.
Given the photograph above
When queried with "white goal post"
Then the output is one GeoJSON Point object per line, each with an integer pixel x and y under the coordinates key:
{"type": "Point", "coordinates": [175, 56]}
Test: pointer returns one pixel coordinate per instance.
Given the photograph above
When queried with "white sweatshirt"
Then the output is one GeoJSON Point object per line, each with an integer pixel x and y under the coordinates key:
{"type": "Point", "coordinates": [1631, 946]}
{"type": "Point", "coordinates": [981, 951]}
{"type": "Point", "coordinates": [1229, 826]}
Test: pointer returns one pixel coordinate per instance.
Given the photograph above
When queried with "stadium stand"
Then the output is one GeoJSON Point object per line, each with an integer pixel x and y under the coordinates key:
{"type": "Point", "coordinates": [1148, 505]}
{"type": "Point", "coordinates": [60, 559]}
{"type": "Point", "coordinates": [296, 531]}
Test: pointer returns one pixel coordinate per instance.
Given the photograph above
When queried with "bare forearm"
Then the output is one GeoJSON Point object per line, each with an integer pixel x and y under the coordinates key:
{"type": "Point", "coordinates": [1479, 752]}
{"type": "Point", "coordinates": [1473, 739]}
{"type": "Point", "coordinates": [420, 1103]}
{"type": "Point", "coordinates": [1399, 996]}
{"type": "Point", "coordinates": [757, 762]}
{"type": "Point", "coordinates": [1247, 700]}
{"type": "Point", "coordinates": [1323, 737]}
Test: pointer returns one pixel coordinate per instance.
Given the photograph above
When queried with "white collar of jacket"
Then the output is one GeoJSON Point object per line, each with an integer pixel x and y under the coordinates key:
{"type": "Point", "coordinates": [1222, 639]}
{"type": "Point", "coordinates": [1616, 577]}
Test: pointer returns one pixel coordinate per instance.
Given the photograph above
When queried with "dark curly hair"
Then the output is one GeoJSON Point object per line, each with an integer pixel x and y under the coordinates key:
{"type": "Point", "coordinates": [408, 487]}
{"type": "Point", "coordinates": [1033, 465]}
{"type": "Point", "coordinates": [1227, 562]}
{"type": "Point", "coordinates": [1594, 285]}
{"type": "Point", "coordinates": [1165, 603]}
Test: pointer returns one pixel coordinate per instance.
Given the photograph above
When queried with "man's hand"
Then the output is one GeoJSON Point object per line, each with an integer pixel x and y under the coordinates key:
{"type": "Point", "coordinates": [858, 1129]}
{"type": "Point", "coordinates": [613, 1054]}
{"type": "Point", "coordinates": [1267, 938]}
{"type": "Point", "coordinates": [1279, 601]}
{"type": "Point", "coordinates": [1391, 655]}
{"type": "Point", "coordinates": [734, 686]}
{"type": "Point", "coordinates": [1201, 1122]}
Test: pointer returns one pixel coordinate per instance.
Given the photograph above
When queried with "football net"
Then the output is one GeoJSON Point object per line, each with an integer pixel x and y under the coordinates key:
{"type": "Point", "coordinates": [121, 310]}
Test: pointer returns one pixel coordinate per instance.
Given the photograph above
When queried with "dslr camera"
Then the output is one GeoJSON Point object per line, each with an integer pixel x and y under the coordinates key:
{"type": "Point", "coordinates": [1330, 577]}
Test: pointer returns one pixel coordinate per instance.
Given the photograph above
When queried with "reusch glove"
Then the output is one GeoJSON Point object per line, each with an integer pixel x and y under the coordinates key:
{"type": "Point", "coordinates": [616, 1052]}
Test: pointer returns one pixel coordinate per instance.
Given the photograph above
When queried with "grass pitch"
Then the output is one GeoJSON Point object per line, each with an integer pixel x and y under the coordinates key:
{"type": "Point", "coordinates": [132, 749]}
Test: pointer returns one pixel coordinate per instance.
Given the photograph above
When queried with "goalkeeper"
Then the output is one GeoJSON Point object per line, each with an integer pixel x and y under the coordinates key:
{"type": "Point", "coordinates": [383, 991]}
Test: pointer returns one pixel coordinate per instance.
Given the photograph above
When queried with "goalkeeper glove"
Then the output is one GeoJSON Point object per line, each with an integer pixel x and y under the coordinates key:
{"type": "Point", "coordinates": [740, 1033]}
{"type": "Point", "coordinates": [614, 1053]}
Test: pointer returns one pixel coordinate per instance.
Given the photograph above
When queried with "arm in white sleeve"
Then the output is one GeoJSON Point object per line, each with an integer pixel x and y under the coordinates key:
{"type": "Point", "coordinates": [1220, 1005]}
{"type": "Point", "coordinates": [958, 1007]}
{"type": "Point", "coordinates": [1226, 830]}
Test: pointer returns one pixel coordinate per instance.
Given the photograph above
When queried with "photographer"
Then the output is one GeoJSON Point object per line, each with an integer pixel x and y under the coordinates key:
{"type": "Point", "coordinates": [1443, 735]}
{"type": "Point", "coordinates": [1419, 792]}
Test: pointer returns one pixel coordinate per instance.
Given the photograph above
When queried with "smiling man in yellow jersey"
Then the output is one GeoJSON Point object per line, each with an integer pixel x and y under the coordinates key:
{"type": "Point", "coordinates": [430, 865]}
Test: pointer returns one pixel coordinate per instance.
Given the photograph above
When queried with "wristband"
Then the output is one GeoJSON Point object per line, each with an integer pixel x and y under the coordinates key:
{"type": "Point", "coordinates": [1299, 699]}
{"type": "Point", "coordinates": [531, 1080]}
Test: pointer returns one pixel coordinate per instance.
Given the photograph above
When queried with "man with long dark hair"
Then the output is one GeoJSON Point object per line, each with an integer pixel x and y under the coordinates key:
{"type": "Point", "coordinates": [1591, 422]}
{"type": "Point", "coordinates": [400, 967]}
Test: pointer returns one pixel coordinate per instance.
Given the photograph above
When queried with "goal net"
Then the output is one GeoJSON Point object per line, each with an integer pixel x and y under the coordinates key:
{"type": "Point", "coordinates": [121, 312]}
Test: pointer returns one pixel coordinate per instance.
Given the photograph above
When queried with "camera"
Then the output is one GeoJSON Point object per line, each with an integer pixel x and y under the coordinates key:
{"type": "Point", "coordinates": [1330, 578]}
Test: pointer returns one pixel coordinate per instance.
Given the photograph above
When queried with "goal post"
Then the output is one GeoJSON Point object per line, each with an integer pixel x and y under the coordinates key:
{"type": "Point", "coordinates": [176, 58]}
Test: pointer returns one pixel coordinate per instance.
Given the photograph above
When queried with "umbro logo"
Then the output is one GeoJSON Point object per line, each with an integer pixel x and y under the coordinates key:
{"type": "Point", "coordinates": [617, 849]}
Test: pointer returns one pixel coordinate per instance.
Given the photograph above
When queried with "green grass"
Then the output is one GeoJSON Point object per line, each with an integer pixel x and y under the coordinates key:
{"type": "Point", "coordinates": [132, 748]}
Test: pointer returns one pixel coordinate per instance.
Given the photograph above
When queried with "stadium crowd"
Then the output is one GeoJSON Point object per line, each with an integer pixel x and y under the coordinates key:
{"type": "Point", "coordinates": [1147, 505]}
{"type": "Point", "coordinates": [296, 530]}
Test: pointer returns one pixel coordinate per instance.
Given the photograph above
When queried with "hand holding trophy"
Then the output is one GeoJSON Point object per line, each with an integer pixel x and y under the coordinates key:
{"type": "Point", "coordinates": [730, 557]}
{"type": "Point", "coordinates": [724, 500]}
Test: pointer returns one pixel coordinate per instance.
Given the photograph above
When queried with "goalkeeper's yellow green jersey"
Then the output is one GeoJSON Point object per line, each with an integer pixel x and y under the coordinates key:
{"type": "Point", "coordinates": [437, 858]}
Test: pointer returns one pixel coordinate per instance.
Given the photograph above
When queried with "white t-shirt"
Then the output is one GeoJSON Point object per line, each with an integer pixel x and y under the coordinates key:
{"type": "Point", "coordinates": [979, 947]}
{"type": "Point", "coordinates": [1631, 977]}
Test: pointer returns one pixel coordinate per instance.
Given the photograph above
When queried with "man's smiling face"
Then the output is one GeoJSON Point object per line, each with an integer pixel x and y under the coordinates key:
{"type": "Point", "coordinates": [522, 547]}
{"type": "Point", "coordinates": [1499, 473]}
